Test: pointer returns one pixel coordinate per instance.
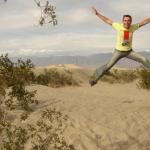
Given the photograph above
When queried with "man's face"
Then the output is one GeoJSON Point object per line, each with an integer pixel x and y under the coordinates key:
{"type": "Point", "coordinates": [127, 22]}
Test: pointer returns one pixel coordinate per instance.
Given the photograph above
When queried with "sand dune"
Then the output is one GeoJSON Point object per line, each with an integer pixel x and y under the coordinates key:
{"type": "Point", "coordinates": [103, 117]}
{"type": "Point", "coordinates": [71, 66]}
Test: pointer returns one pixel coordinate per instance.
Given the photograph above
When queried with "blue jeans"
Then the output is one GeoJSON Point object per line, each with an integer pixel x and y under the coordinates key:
{"type": "Point", "coordinates": [117, 55]}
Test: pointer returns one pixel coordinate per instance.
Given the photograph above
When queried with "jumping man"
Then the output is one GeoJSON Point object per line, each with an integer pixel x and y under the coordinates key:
{"type": "Point", "coordinates": [124, 44]}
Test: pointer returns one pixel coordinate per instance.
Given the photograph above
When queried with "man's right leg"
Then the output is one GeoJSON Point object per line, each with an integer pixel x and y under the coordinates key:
{"type": "Point", "coordinates": [100, 71]}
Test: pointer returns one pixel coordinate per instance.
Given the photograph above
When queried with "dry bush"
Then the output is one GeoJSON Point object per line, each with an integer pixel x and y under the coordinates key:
{"type": "Point", "coordinates": [144, 78]}
{"type": "Point", "coordinates": [16, 76]}
{"type": "Point", "coordinates": [120, 76]}
{"type": "Point", "coordinates": [47, 132]}
{"type": "Point", "coordinates": [54, 78]}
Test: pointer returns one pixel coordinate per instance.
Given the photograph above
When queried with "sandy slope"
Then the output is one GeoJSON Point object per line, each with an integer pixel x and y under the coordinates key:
{"type": "Point", "coordinates": [103, 117]}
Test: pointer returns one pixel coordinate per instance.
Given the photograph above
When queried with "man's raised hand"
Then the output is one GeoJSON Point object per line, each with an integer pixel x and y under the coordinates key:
{"type": "Point", "coordinates": [105, 19]}
{"type": "Point", "coordinates": [94, 10]}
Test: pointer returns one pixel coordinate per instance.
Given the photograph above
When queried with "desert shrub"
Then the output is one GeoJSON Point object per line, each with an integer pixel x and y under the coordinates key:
{"type": "Point", "coordinates": [54, 78]}
{"type": "Point", "coordinates": [120, 76]}
{"type": "Point", "coordinates": [16, 76]}
{"type": "Point", "coordinates": [42, 79]}
{"type": "Point", "coordinates": [2, 85]}
{"type": "Point", "coordinates": [144, 78]}
{"type": "Point", "coordinates": [46, 133]}
{"type": "Point", "coordinates": [2, 118]}
{"type": "Point", "coordinates": [14, 138]}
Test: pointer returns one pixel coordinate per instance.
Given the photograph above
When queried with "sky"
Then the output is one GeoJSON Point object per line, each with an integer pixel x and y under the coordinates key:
{"type": "Point", "coordinates": [79, 31]}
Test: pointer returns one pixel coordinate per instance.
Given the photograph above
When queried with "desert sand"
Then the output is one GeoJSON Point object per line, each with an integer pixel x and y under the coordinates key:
{"type": "Point", "coordinates": [103, 117]}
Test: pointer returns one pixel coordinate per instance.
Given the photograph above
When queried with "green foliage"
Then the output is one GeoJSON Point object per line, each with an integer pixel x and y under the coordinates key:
{"type": "Point", "coordinates": [3, 121]}
{"type": "Point", "coordinates": [44, 134]}
{"type": "Point", "coordinates": [16, 76]}
{"type": "Point", "coordinates": [54, 78]}
{"type": "Point", "coordinates": [47, 132]}
{"type": "Point", "coordinates": [144, 81]}
{"type": "Point", "coordinates": [2, 85]}
{"type": "Point", "coordinates": [47, 13]}
{"type": "Point", "coordinates": [14, 138]}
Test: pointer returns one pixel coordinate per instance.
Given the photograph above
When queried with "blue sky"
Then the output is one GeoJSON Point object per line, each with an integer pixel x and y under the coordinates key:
{"type": "Point", "coordinates": [78, 31]}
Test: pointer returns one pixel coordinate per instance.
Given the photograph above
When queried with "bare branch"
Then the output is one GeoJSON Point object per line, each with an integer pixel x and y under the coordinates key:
{"type": "Point", "coordinates": [47, 12]}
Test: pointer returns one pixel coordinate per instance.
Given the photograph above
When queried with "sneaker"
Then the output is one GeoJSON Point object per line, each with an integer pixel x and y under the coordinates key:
{"type": "Point", "coordinates": [92, 82]}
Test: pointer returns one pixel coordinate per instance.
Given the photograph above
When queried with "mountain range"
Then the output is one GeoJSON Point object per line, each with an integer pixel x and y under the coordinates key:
{"type": "Point", "coordinates": [82, 60]}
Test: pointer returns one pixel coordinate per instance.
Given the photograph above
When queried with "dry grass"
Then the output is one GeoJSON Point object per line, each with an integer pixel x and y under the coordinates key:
{"type": "Point", "coordinates": [144, 79]}
{"type": "Point", "coordinates": [120, 76]}
{"type": "Point", "coordinates": [52, 77]}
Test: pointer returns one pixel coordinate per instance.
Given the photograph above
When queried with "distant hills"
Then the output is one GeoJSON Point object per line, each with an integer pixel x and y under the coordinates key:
{"type": "Point", "coordinates": [86, 61]}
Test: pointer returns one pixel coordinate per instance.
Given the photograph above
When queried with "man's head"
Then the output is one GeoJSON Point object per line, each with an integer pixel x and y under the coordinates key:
{"type": "Point", "coordinates": [127, 20]}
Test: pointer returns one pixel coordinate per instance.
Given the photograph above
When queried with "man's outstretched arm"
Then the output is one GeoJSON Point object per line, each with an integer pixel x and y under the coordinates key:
{"type": "Point", "coordinates": [105, 19]}
{"type": "Point", "coordinates": [144, 22]}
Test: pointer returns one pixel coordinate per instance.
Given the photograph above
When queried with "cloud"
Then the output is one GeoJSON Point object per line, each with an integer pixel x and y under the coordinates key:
{"type": "Point", "coordinates": [78, 29]}
{"type": "Point", "coordinates": [70, 42]}
{"type": "Point", "coordinates": [138, 9]}
{"type": "Point", "coordinates": [76, 17]}
{"type": "Point", "coordinates": [14, 18]}
{"type": "Point", "coordinates": [58, 41]}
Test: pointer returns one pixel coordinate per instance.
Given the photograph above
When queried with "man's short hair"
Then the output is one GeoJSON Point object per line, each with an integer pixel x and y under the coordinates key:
{"type": "Point", "coordinates": [127, 16]}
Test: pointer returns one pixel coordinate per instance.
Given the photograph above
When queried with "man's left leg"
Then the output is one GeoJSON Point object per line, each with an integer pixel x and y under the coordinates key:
{"type": "Point", "coordinates": [139, 58]}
